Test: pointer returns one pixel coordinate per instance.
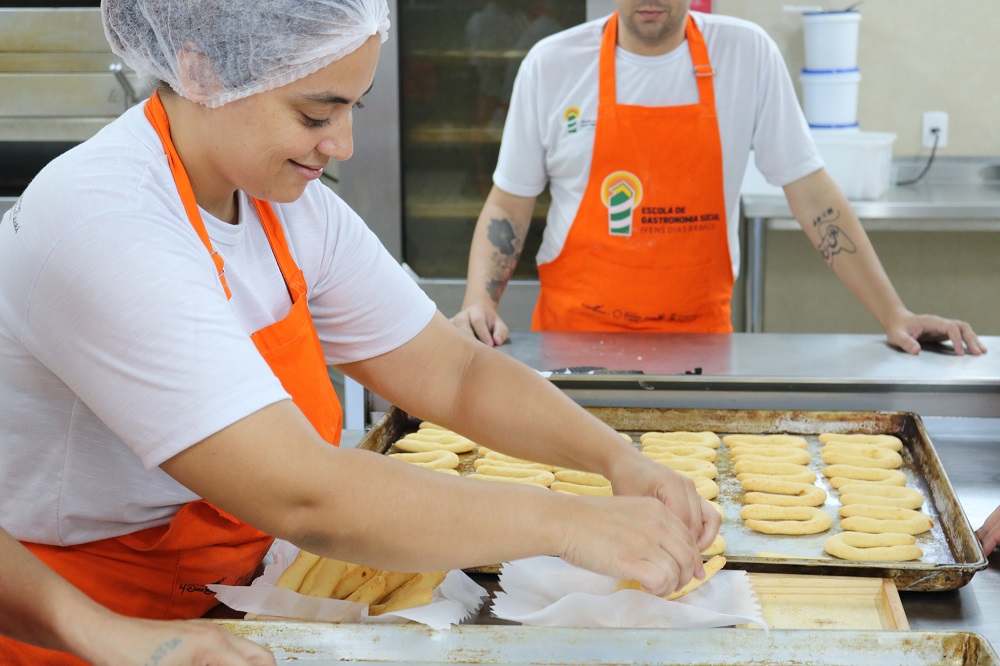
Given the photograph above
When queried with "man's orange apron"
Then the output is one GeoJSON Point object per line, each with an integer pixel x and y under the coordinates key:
{"type": "Point", "coordinates": [648, 249]}
{"type": "Point", "coordinates": [161, 572]}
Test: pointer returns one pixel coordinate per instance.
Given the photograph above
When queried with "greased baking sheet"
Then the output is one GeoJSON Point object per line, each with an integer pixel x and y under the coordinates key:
{"type": "Point", "coordinates": [323, 643]}
{"type": "Point", "coordinates": [951, 552]}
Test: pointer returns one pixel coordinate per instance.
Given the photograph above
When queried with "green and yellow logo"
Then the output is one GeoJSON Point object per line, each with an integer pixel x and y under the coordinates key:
{"type": "Point", "coordinates": [572, 115]}
{"type": "Point", "coordinates": [621, 192]}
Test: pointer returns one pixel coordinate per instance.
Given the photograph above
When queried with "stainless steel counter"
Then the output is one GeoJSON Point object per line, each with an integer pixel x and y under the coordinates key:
{"type": "Point", "coordinates": [958, 194]}
{"type": "Point", "coordinates": [764, 371]}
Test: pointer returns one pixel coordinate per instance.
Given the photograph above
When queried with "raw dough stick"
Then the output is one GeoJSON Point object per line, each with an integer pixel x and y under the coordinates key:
{"type": "Point", "coordinates": [773, 468]}
{"type": "Point", "coordinates": [427, 425]}
{"type": "Point", "coordinates": [791, 455]}
{"type": "Point", "coordinates": [712, 567]}
{"type": "Point", "coordinates": [582, 478]}
{"type": "Point", "coordinates": [879, 494]}
{"type": "Point", "coordinates": [414, 445]}
{"type": "Point", "coordinates": [705, 487]}
{"type": "Point", "coordinates": [839, 482]}
{"type": "Point", "coordinates": [717, 547]}
{"type": "Point", "coordinates": [682, 451]}
{"type": "Point", "coordinates": [690, 466]}
{"type": "Point", "coordinates": [884, 440]}
{"type": "Point", "coordinates": [805, 476]}
{"type": "Point", "coordinates": [503, 457]}
{"type": "Point", "coordinates": [429, 459]}
{"type": "Point", "coordinates": [785, 519]}
{"type": "Point", "coordinates": [881, 458]}
{"type": "Point", "coordinates": [439, 436]}
{"type": "Point", "coordinates": [774, 499]}
{"type": "Point", "coordinates": [453, 472]}
{"type": "Point", "coordinates": [703, 438]}
{"type": "Point", "coordinates": [532, 481]}
{"type": "Point", "coordinates": [516, 473]}
{"type": "Point", "coordinates": [479, 462]}
{"type": "Point", "coordinates": [767, 440]}
{"type": "Point", "coordinates": [917, 519]}
{"type": "Point", "coordinates": [856, 449]}
{"type": "Point", "coordinates": [627, 437]}
{"type": "Point", "coordinates": [877, 526]}
{"type": "Point", "coordinates": [866, 474]}
{"type": "Point", "coordinates": [580, 489]}
{"type": "Point", "coordinates": [718, 507]}
{"type": "Point", "coordinates": [783, 493]}
{"type": "Point", "coordinates": [873, 547]}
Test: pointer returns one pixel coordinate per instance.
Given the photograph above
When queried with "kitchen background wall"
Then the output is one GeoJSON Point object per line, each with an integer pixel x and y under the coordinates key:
{"type": "Point", "coordinates": [914, 56]}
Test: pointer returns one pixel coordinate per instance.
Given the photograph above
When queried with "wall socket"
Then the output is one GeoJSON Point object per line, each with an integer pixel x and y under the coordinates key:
{"type": "Point", "coordinates": [932, 120]}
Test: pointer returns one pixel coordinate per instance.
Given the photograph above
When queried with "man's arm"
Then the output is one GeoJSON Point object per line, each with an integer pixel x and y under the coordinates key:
{"type": "Point", "coordinates": [826, 216]}
{"type": "Point", "coordinates": [39, 607]}
{"type": "Point", "coordinates": [496, 248]}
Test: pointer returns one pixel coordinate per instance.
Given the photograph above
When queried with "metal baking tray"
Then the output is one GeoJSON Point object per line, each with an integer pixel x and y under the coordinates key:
{"type": "Point", "coordinates": [323, 643]}
{"type": "Point", "coordinates": [952, 554]}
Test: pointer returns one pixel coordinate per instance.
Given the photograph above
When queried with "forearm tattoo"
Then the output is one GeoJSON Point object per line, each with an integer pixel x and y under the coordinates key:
{"type": "Point", "coordinates": [508, 251]}
{"type": "Point", "coordinates": [832, 239]}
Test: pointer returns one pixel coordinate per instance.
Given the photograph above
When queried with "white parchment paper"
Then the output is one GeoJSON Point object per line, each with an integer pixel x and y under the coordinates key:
{"type": "Point", "coordinates": [457, 598]}
{"type": "Point", "coordinates": [549, 592]}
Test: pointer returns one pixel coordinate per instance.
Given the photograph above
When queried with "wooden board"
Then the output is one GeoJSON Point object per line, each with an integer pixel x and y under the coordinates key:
{"type": "Point", "coordinates": [790, 601]}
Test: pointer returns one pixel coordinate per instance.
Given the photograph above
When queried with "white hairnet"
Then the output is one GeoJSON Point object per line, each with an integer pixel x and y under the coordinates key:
{"type": "Point", "coordinates": [231, 49]}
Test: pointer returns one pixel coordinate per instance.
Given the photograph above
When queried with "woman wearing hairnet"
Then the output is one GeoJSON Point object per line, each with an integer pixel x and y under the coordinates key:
{"type": "Point", "coordinates": [171, 294]}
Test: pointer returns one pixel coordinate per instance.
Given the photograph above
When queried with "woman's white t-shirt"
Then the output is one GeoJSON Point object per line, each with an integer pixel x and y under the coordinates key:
{"type": "Point", "coordinates": [118, 347]}
{"type": "Point", "coordinates": [754, 99]}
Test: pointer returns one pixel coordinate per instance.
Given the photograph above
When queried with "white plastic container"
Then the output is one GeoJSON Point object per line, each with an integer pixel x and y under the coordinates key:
{"type": "Point", "coordinates": [860, 162]}
{"type": "Point", "coordinates": [830, 97]}
{"type": "Point", "coordinates": [831, 39]}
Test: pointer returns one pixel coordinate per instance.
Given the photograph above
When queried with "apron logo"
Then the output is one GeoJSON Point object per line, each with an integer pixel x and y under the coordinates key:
{"type": "Point", "coordinates": [571, 115]}
{"type": "Point", "coordinates": [621, 192]}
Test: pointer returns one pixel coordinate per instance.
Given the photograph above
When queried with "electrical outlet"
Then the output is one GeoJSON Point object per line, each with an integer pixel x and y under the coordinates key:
{"type": "Point", "coordinates": [935, 120]}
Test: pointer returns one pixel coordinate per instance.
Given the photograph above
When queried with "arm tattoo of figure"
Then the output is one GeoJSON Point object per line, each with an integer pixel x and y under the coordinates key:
{"type": "Point", "coordinates": [508, 250]}
{"type": "Point", "coordinates": [832, 239]}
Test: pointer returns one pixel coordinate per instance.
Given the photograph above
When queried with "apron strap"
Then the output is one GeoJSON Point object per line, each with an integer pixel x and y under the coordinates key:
{"type": "Point", "coordinates": [157, 116]}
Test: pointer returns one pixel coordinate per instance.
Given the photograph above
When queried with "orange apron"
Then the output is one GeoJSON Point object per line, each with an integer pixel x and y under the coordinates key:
{"type": "Point", "coordinates": [648, 249]}
{"type": "Point", "coordinates": [161, 572]}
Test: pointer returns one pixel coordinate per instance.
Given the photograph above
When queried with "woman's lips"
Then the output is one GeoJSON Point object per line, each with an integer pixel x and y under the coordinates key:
{"type": "Point", "coordinates": [307, 172]}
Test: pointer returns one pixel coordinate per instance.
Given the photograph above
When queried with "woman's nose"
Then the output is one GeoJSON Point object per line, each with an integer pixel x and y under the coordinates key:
{"type": "Point", "coordinates": [338, 142]}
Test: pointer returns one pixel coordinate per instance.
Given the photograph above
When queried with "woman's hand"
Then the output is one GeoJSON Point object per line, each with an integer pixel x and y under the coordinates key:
{"type": "Point", "coordinates": [639, 476]}
{"type": "Point", "coordinates": [635, 538]}
{"type": "Point", "coordinates": [121, 641]}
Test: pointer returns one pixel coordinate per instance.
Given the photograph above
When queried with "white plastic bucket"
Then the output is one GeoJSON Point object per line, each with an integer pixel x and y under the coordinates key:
{"type": "Point", "coordinates": [831, 39]}
{"type": "Point", "coordinates": [830, 97]}
{"type": "Point", "coordinates": [860, 162]}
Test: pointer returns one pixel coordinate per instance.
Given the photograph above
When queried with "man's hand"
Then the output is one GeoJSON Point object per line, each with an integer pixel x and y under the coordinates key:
{"type": "Point", "coordinates": [909, 330]}
{"type": "Point", "coordinates": [989, 533]}
{"type": "Point", "coordinates": [483, 323]}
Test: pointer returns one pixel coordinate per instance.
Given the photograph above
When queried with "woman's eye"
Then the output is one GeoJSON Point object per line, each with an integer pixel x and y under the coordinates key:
{"type": "Point", "coordinates": [359, 105]}
{"type": "Point", "coordinates": [315, 122]}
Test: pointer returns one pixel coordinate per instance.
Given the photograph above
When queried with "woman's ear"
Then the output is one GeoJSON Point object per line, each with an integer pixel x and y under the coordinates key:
{"type": "Point", "coordinates": [196, 75]}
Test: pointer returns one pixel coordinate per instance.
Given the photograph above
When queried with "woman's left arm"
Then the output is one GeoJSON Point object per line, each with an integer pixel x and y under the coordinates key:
{"type": "Point", "coordinates": [826, 216]}
{"type": "Point", "coordinates": [501, 403]}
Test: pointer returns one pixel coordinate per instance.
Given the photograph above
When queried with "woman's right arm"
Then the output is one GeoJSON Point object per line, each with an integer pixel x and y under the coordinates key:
{"type": "Point", "coordinates": [39, 607]}
{"type": "Point", "coordinates": [273, 471]}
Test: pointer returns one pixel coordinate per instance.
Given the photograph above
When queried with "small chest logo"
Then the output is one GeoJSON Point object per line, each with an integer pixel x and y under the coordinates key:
{"type": "Point", "coordinates": [621, 192]}
{"type": "Point", "coordinates": [572, 117]}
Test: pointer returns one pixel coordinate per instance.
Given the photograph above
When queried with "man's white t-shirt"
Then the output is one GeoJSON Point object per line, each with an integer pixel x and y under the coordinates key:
{"type": "Point", "coordinates": [118, 347]}
{"type": "Point", "coordinates": [754, 98]}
